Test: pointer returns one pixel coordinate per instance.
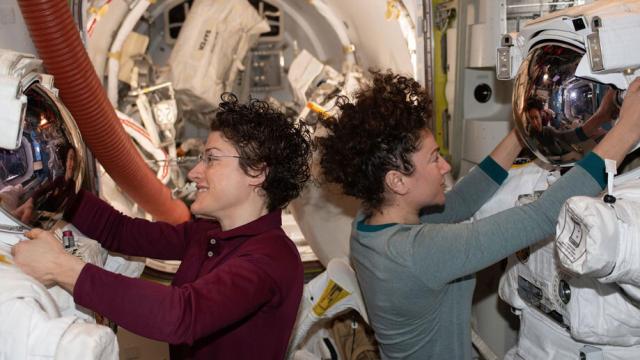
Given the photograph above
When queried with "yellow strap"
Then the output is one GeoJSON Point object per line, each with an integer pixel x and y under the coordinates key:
{"type": "Point", "coordinates": [393, 10]}
{"type": "Point", "coordinates": [521, 165]}
{"type": "Point", "coordinates": [316, 108]}
{"type": "Point", "coordinates": [114, 55]}
{"type": "Point", "coordinates": [331, 295]}
{"type": "Point", "coordinates": [3, 259]}
{"type": "Point", "coordinates": [99, 12]}
{"type": "Point", "coordinates": [348, 49]}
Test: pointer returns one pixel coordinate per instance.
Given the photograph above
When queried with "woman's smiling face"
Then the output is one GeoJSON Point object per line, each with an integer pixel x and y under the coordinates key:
{"type": "Point", "coordinates": [222, 185]}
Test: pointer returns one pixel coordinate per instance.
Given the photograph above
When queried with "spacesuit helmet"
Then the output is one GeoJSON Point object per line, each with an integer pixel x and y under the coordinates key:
{"type": "Point", "coordinates": [45, 170]}
{"type": "Point", "coordinates": [551, 104]}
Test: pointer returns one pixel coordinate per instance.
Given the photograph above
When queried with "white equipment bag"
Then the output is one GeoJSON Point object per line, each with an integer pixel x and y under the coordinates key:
{"type": "Point", "coordinates": [212, 43]}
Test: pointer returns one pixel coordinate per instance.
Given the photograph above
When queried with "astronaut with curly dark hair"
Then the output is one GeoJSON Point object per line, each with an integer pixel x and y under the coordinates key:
{"type": "Point", "coordinates": [414, 259]}
{"type": "Point", "coordinates": [237, 291]}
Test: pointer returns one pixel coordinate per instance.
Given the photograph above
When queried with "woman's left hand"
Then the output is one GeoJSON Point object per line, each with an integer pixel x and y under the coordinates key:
{"type": "Point", "coordinates": [40, 256]}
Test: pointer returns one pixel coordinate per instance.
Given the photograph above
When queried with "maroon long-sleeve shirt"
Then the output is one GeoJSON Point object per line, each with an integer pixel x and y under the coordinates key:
{"type": "Point", "coordinates": [235, 295]}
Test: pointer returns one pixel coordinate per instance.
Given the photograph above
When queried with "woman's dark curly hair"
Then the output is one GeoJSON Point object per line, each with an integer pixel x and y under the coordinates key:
{"type": "Point", "coordinates": [534, 102]}
{"type": "Point", "coordinates": [268, 141]}
{"type": "Point", "coordinates": [376, 133]}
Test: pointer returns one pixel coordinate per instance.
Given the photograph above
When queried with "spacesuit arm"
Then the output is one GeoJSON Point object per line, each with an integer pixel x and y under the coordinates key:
{"type": "Point", "coordinates": [468, 195]}
{"type": "Point", "coordinates": [186, 313]}
{"type": "Point", "coordinates": [442, 253]}
{"type": "Point", "coordinates": [117, 232]}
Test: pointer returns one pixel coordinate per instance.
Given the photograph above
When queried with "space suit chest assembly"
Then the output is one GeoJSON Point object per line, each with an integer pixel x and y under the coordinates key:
{"type": "Point", "coordinates": [575, 293]}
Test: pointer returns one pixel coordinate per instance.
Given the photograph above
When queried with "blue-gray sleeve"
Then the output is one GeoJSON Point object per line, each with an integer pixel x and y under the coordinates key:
{"type": "Point", "coordinates": [442, 253]}
{"type": "Point", "coordinates": [468, 195]}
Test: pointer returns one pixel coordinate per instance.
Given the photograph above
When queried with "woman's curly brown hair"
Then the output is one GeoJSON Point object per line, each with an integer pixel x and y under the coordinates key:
{"type": "Point", "coordinates": [268, 141]}
{"type": "Point", "coordinates": [376, 133]}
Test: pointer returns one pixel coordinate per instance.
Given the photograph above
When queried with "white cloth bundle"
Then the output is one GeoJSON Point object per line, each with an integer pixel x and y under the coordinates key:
{"type": "Point", "coordinates": [603, 240]}
{"type": "Point", "coordinates": [212, 44]}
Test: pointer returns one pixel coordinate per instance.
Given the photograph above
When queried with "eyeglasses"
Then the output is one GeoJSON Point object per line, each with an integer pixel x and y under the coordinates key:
{"type": "Point", "coordinates": [208, 158]}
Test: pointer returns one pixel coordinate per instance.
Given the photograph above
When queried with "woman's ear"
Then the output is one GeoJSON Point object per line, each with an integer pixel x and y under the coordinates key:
{"type": "Point", "coordinates": [257, 177]}
{"type": "Point", "coordinates": [395, 182]}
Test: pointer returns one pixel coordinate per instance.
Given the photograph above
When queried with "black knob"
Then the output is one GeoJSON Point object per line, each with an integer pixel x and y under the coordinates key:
{"type": "Point", "coordinates": [564, 291]}
{"type": "Point", "coordinates": [609, 199]}
{"type": "Point", "coordinates": [482, 93]}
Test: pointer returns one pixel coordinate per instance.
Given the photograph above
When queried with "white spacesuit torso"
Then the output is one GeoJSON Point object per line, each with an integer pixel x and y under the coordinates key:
{"type": "Point", "coordinates": [563, 313]}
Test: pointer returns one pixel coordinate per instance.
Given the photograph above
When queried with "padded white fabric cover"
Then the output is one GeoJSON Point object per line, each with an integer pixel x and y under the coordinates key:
{"type": "Point", "coordinates": [602, 240]}
{"type": "Point", "coordinates": [541, 338]}
{"type": "Point", "coordinates": [303, 69]}
{"type": "Point", "coordinates": [212, 43]}
{"type": "Point", "coordinates": [88, 341]}
{"type": "Point", "coordinates": [601, 314]}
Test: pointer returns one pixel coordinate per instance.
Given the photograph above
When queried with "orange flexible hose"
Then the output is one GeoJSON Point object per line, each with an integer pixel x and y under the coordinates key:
{"type": "Point", "coordinates": [56, 37]}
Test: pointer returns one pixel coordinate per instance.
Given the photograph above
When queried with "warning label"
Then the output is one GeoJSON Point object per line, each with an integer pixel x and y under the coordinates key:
{"type": "Point", "coordinates": [571, 241]}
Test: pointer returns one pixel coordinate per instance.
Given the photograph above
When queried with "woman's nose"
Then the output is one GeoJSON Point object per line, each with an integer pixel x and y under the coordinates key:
{"type": "Point", "coordinates": [444, 167]}
{"type": "Point", "coordinates": [196, 173]}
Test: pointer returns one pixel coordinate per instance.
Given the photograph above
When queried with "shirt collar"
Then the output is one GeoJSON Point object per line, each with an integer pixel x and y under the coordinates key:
{"type": "Point", "coordinates": [272, 220]}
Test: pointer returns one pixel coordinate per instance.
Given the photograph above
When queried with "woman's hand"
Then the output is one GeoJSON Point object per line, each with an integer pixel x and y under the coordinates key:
{"type": "Point", "coordinates": [607, 111]}
{"type": "Point", "coordinates": [506, 151]}
{"type": "Point", "coordinates": [10, 196]}
{"type": "Point", "coordinates": [44, 258]}
{"type": "Point", "coordinates": [24, 212]}
{"type": "Point", "coordinates": [630, 109]}
{"type": "Point", "coordinates": [626, 133]}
